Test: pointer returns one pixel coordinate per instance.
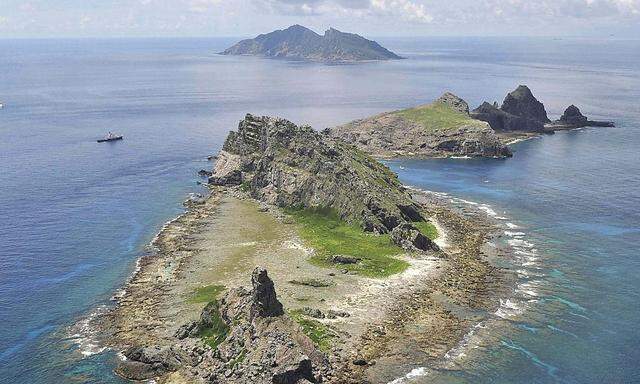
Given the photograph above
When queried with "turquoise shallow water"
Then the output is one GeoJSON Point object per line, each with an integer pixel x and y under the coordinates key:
{"type": "Point", "coordinates": [76, 215]}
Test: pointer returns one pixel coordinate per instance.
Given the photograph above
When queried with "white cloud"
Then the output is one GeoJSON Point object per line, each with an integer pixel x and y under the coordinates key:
{"type": "Point", "coordinates": [407, 10]}
{"type": "Point", "coordinates": [202, 6]}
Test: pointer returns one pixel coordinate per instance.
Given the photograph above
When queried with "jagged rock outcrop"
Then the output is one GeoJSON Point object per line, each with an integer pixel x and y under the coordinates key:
{"type": "Point", "coordinates": [502, 121]}
{"type": "Point", "coordinates": [294, 166]}
{"type": "Point", "coordinates": [573, 118]}
{"type": "Point", "coordinates": [409, 237]}
{"type": "Point", "coordinates": [301, 43]}
{"type": "Point", "coordinates": [520, 111]}
{"type": "Point", "coordinates": [522, 103]}
{"type": "Point", "coordinates": [265, 302]}
{"type": "Point", "coordinates": [440, 129]}
{"type": "Point", "coordinates": [262, 344]}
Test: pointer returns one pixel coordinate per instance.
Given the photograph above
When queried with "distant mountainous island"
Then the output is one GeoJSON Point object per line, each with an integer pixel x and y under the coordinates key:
{"type": "Point", "coordinates": [301, 43]}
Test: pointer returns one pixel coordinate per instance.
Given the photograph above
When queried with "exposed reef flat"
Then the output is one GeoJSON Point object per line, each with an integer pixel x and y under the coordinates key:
{"type": "Point", "coordinates": [301, 43]}
{"type": "Point", "coordinates": [441, 129]}
{"type": "Point", "coordinates": [198, 310]}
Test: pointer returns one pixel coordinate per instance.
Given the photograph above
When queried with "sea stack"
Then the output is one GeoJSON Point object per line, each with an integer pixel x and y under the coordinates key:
{"type": "Point", "coordinates": [520, 111]}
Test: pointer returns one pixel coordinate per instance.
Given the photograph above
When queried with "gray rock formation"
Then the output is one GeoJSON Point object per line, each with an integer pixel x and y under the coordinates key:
{"type": "Point", "coordinates": [521, 102]}
{"type": "Point", "coordinates": [262, 345]}
{"type": "Point", "coordinates": [265, 303]}
{"type": "Point", "coordinates": [520, 111]}
{"type": "Point", "coordinates": [441, 129]}
{"type": "Point", "coordinates": [572, 118]}
{"type": "Point", "coordinates": [301, 43]}
{"type": "Point", "coordinates": [409, 237]}
{"type": "Point", "coordinates": [291, 166]}
{"type": "Point", "coordinates": [502, 121]}
{"type": "Point", "coordinates": [455, 102]}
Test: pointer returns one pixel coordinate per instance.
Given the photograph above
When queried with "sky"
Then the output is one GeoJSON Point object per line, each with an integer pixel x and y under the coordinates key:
{"type": "Point", "coordinates": [240, 18]}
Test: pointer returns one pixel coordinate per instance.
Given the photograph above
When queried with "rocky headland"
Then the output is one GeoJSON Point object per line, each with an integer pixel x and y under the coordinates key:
{"type": "Point", "coordinates": [440, 129]}
{"type": "Point", "coordinates": [366, 279]}
{"type": "Point", "coordinates": [301, 43]}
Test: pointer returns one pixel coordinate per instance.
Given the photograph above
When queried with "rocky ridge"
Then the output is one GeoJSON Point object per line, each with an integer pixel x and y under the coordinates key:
{"type": "Point", "coordinates": [443, 128]}
{"type": "Point", "coordinates": [287, 165]}
{"type": "Point", "coordinates": [258, 343]}
{"type": "Point", "coordinates": [301, 43]}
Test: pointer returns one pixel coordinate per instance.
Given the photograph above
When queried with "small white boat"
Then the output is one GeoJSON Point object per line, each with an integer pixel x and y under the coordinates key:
{"type": "Point", "coordinates": [1, 105]}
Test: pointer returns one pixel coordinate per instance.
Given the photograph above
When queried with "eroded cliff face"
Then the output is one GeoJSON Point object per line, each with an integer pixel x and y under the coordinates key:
{"type": "Point", "coordinates": [443, 128]}
{"type": "Point", "coordinates": [287, 165]}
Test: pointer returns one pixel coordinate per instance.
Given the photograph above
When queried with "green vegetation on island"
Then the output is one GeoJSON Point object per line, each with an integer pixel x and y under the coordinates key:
{"type": "Point", "coordinates": [427, 228]}
{"type": "Point", "coordinates": [321, 334]}
{"type": "Point", "coordinates": [438, 117]}
{"type": "Point", "coordinates": [323, 230]}
{"type": "Point", "coordinates": [206, 294]}
{"type": "Point", "coordinates": [217, 329]}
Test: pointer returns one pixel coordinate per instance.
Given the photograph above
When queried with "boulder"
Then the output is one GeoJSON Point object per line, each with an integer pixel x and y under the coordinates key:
{"type": "Point", "coordinates": [231, 178]}
{"type": "Point", "coordinates": [144, 363]}
{"type": "Point", "coordinates": [411, 239]}
{"type": "Point", "coordinates": [342, 259]}
{"type": "Point", "coordinates": [292, 367]}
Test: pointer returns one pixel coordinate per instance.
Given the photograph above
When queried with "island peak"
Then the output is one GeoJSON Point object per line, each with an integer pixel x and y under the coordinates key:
{"type": "Point", "coordinates": [301, 43]}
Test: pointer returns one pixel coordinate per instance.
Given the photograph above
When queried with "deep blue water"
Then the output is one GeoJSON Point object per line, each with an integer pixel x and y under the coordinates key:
{"type": "Point", "coordinates": [75, 215]}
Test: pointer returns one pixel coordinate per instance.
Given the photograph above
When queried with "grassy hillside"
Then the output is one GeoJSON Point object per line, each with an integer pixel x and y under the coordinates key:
{"type": "Point", "coordinates": [437, 116]}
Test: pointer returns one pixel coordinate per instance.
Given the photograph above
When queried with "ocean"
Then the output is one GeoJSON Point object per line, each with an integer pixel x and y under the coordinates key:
{"type": "Point", "coordinates": [76, 215]}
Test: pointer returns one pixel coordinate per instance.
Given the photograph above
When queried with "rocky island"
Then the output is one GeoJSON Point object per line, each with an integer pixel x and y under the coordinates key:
{"type": "Point", "coordinates": [301, 43]}
{"type": "Point", "coordinates": [442, 128]}
{"type": "Point", "coordinates": [522, 114]}
{"type": "Point", "coordinates": [446, 127]}
{"type": "Point", "coordinates": [362, 277]}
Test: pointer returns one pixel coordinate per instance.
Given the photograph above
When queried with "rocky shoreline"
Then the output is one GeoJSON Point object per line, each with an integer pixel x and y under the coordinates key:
{"type": "Point", "coordinates": [146, 315]}
{"type": "Point", "coordinates": [462, 279]}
